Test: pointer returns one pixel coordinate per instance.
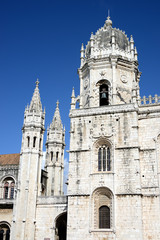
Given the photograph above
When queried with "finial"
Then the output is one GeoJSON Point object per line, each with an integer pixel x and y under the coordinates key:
{"type": "Point", "coordinates": [91, 38]}
{"type": "Point", "coordinates": [82, 47]}
{"type": "Point", "coordinates": [57, 104]}
{"type": "Point", "coordinates": [108, 22]}
{"type": "Point", "coordinates": [108, 14]}
{"type": "Point", "coordinates": [73, 94]}
{"type": "Point", "coordinates": [131, 39]}
{"type": "Point", "coordinates": [37, 82]}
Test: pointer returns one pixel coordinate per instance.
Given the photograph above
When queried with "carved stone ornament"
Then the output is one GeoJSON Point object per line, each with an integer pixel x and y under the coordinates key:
{"type": "Point", "coordinates": [85, 83]}
{"type": "Point", "coordinates": [124, 78]}
{"type": "Point", "coordinates": [102, 73]}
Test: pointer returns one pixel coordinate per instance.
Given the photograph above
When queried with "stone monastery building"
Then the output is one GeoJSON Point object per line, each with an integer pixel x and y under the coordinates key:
{"type": "Point", "coordinates": [114, 163]}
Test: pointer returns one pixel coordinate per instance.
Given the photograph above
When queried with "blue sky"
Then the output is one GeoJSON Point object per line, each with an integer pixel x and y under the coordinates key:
{"type": "Point", "coordinates": [42, 39]}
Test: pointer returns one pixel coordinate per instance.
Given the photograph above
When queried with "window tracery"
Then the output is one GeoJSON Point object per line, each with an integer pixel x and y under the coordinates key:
{"type": "Point", "coordinates": [8, 185]}
{"type": "Point", "coordinates": [104, 158]}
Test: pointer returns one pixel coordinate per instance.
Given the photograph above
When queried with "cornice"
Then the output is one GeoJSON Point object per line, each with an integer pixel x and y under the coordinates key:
{"type": "Point", "coordinates": [110, 109]}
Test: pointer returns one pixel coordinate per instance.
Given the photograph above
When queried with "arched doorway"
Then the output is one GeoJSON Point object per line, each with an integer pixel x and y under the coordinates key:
{"type": "Point", "coordinates": [61, 227]}
{"type": "Point", "coordinates": [4, 231]}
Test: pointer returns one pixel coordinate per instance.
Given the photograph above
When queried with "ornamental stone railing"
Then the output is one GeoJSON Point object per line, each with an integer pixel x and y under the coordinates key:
{"type": "Point", "coordinates": [150, 100]}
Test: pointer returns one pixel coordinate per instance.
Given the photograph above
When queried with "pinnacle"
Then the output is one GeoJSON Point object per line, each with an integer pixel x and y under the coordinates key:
{"type": "Point", "coordinates": [73, 93]}
{"type": "Point", "coordinates": [35, 104]}
{"type": "Point", "coordinates": [56, 122]}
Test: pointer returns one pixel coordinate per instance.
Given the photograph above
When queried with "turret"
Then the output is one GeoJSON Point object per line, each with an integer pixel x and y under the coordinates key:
{"type": "Point", "coordinates": [29, 181]}
{"type": "Point", "coordinates": [33, 126]}
{"type": "Point", "coordinates": [73, 102]}
{"type": "Point", "coordinates": [132, 46]}
{"type": "Point", "coordinates": [82, 54]}
{"type": "Point", "coordinates": [55, 155]}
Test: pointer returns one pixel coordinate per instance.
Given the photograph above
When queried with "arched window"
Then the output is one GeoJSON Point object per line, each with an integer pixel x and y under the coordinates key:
{"type": "Point", "coordinates": [8, 188]}
{"type": "Point", "coordinates": [4, 231]}
{"type": "Point", "coordinates": [102, 208]}
{"type": "Point", "coordinates": [104, 217]}
{"type": "Point", "coordinates": [103, 95]}
{"type": "Point", "coordinates": [57, 153]}
{"type": "Point", "coordinates": [28, 141]}
{"type": "Point", "coordinates": [34, 142]}
{"type": "Point", "coordinates": [104, 158]}
{"type": "Point", "coordinates": [51, 156]}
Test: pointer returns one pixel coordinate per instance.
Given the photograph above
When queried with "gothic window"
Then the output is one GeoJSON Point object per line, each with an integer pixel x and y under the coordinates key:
{"type": "Point", "coordinates": [34, 142]}
{"type": "Point", "coordinates": [28, 141]}
{"type": "Point", "coordinates": [104, 217]}
{"type": "Point", "coordinates": [51, 156]}
{"type": "Point", "coordinates": [102, 208]}
{"type": "Point", "coordinates": [104, 159]}
{"type": "Point", "coordinates": [8, 188]}
{"type": "Point", "coordinates": [56, 156]}
{"type": "Point", "coordinates": [4, 231]}
{"type": "Point", "coordinates": [104, 95]}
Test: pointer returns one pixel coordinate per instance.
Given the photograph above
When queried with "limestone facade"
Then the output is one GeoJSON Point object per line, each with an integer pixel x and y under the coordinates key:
{"type": "Point", "coordinates": [114, 157]}
{"type": "Point", "coordinates": [114, 145]}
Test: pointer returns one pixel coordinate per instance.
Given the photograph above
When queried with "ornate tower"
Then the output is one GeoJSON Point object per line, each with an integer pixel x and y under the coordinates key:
{"type": "Point", "coordinates": [29, 170]}
{"type": "Point", "coordinates": [104, 150]}
{"type": "Point", "coordinates": [111, 59]}
{"type": "Point", "coordinates": [55, 155]}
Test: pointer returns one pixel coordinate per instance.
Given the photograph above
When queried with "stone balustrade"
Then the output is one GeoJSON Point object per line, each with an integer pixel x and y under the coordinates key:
{"type": "Point", "coordinates": [150, 100]}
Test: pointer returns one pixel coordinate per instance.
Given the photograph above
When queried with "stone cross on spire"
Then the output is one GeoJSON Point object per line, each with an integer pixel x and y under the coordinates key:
{"type": "Point", "coordinates": [37, 82]}
{"type": "Point", "coordinates": [108, 22]}
{"type": "Point", "coordinates": [35, 104]}
{"type": "Point", "coordinates": [57, 104]}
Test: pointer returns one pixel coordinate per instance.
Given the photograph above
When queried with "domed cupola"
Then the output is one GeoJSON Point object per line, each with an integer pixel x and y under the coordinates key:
{"type": "Point", "coordinates": [108, 72]}
{"type": "Point", "coordinates": [108, 41]}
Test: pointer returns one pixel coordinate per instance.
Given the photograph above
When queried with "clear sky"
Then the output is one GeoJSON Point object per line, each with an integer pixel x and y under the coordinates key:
{"type": "Point", "coordinates": [42, 39]}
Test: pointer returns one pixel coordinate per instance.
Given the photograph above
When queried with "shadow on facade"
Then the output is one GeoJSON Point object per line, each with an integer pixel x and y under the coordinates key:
{"type": "Point", "coordinates": [61, 227]}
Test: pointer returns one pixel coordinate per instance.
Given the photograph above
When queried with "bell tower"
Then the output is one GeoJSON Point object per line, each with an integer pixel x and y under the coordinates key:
{"type": "Point", "coordinates": [55, 155]}
{"type": "Point", "coordinates": [109, 69]}
{"type": "Point", "coordinates": [30, 169]}
{"type": "Point", "coordinates": [104, 137]}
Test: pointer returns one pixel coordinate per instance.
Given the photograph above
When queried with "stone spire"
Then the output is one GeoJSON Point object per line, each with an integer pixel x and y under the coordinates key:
{"type": "Point", "coordinates": [56, 122]}
{"type": "Point", "coordinates": [35, 104]}
{"type": "Point", "coordinates": [54, 162]}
